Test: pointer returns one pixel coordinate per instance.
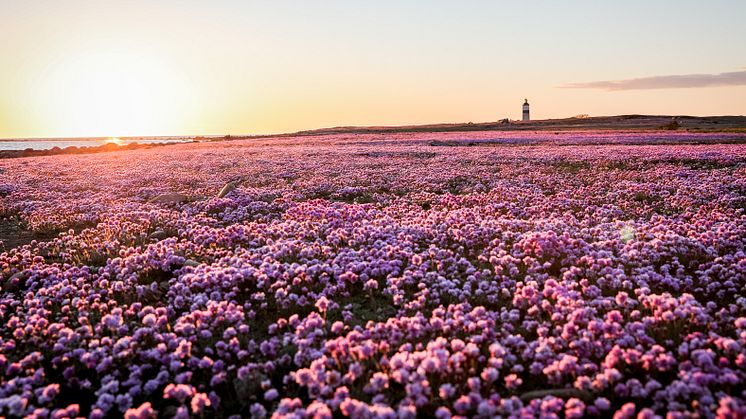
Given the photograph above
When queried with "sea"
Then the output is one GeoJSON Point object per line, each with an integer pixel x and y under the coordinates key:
{"type": "Point", "coordinates": [50, 143]}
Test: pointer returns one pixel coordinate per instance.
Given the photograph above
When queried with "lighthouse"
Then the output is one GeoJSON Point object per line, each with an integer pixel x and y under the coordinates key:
{"type": "Point", "coordinates": [526, 116]}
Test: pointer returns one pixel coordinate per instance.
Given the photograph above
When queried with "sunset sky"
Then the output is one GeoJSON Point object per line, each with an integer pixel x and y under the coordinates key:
{"type": "Point", "coordinates": [177, 67]}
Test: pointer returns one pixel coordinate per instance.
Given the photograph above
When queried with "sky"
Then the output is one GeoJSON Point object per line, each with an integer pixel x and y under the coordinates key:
{"type": "Point", "coordinates": [185, 67]}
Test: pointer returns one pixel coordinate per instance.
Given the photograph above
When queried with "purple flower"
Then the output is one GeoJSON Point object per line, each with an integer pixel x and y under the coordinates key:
{"type": "Point", "coordinates": [180, 392]}
{"type": "Point", "coordinates": [271, 394]}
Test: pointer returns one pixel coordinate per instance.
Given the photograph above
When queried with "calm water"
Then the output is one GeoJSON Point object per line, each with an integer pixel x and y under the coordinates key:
{"type": "Point", "coordinates": [46, 144]}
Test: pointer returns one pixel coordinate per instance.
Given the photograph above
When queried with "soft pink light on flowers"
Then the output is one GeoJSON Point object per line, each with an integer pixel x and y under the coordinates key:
{"type": "Point", "coordinates": [379, 275]}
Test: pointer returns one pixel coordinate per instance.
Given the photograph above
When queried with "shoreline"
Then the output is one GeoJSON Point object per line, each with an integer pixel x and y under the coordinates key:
{"type": "Point", "coordinates": [103, 148]}
{"type": "Point", "coordinates": [619, 123]}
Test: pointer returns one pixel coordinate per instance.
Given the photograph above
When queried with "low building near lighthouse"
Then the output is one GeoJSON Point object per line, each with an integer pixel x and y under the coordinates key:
{"type": "Point", "coordinates": [526, 116]}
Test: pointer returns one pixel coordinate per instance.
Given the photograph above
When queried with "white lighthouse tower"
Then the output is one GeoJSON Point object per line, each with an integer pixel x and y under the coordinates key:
{"type": "Point", "coordinates": [526, 116]}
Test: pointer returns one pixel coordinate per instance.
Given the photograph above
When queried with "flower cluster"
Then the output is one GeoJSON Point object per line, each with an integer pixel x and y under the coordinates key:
{"type": "Point", "coordinates": [474, 274]}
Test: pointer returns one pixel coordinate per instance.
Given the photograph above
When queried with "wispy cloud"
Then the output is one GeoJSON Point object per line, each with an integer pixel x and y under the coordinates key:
{"type": "Point", "coordinates": [734, 78]}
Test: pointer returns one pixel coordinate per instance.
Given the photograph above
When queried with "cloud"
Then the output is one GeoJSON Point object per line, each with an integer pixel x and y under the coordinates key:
{"type": "Point", "coordinates": [734, 78]}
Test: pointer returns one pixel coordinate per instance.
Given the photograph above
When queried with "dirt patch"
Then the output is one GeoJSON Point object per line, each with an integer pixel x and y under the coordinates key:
{"type": "Point", "coordinates": [13, 234]}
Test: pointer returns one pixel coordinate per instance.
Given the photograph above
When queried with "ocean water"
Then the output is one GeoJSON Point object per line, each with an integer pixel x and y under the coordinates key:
{"type": "Point", "coordinates": [47, 144]}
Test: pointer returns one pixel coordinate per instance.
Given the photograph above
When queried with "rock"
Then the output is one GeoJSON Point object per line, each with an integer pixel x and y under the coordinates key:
{"type": "Point", "coordinates": [16, 276]}
{"type": "Point", "coordinates": [158, 235]}
{"type": "Point", "coordinates": [169, 198]}
{"type": "Point", "coordinates": [228, 188]}
{"type": "Point", "coordinates": [249, 385]}
{"type": "Point", "coordinates": [562, 393]}
{"type": "Point", "coordinates": [13, 283]}
{"type": "Point", "coordinates": [192, 263]}
{"type": "Point", "coordinates": [149, 295]}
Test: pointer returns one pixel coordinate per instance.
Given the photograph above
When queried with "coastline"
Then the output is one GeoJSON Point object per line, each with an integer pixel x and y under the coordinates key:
{"type": "Point", "coordinates": [108, 147]}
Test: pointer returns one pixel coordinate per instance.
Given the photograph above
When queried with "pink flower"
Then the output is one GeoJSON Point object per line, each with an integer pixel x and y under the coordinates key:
{"type": "Point", "coordinates": [145, 411]}
{"type": "Point", "coordinates": [199, 402]}
{"type": "Point", "coordinates": [322, 304]}
{"type": "Point", "coordinates": [149, 320]}
{"type": "Point", "coordinates": [337, 327]}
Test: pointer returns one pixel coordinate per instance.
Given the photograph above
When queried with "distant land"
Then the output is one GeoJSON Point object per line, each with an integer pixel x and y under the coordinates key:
{"type": "Point", "coordinates": [724, 124]}
{"type": "Point", "coordinates": [731, 124]}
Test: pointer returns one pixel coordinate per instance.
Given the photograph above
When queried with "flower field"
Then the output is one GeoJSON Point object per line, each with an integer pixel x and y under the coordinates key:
{"type": "Point", "coordinates": [439, 275]}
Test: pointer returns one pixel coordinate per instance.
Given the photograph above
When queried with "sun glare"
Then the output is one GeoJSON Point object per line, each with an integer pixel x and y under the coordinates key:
{"type": "Point", "coordinates": [96, 93]}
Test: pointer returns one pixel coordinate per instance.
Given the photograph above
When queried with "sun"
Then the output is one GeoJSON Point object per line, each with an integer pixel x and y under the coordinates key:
{"type": "Point", "coordinates": [99, 92]}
